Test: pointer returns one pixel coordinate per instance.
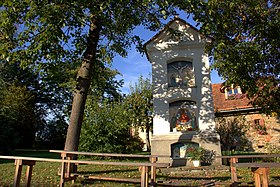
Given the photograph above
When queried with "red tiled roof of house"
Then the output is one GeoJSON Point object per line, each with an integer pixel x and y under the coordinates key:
{"type": "Point", "coordinates": [223, 104]}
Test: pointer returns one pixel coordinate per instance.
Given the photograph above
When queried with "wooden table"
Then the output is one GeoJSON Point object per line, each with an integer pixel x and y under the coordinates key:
{"type": "Point", "coordinates": [260, 170]}
{"type": "Point", "coordinates": [68, 155]}
{"type": "Point", "coordinates": [30, 162]}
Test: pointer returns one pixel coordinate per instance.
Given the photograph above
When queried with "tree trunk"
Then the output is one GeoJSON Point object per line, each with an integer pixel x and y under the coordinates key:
{"type": "Point", "coordinates": [82, 86]}
{"type": "Point", "coordinates": [148, 138]}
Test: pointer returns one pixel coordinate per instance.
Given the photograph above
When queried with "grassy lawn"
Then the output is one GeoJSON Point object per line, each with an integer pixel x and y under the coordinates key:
{"type": "Point", "coordinates": [46, 174]}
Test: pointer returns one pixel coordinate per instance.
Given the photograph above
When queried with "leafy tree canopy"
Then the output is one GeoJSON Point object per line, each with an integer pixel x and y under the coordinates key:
{"type": "Point", "coordinates": [245, 46]}
{"type": "Point", "coordinates": [40, 34]}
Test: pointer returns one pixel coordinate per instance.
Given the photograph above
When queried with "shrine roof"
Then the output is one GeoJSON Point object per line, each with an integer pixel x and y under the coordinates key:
{"type": "Point", "coordinates": [167, 26]}
{"type": "Point", "coordinates": [166, 31]}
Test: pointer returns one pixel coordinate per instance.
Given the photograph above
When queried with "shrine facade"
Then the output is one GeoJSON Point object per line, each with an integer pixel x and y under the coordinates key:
{"type": "Point", "coordinates": [183, 104]}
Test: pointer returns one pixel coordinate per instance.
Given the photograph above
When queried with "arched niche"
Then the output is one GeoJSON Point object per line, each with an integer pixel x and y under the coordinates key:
{"type": "Point", "coordinates": [180, 74]}
{"type": "Point", "coordinates": [182, 116]}
{"type": "Point", "coordinates": [180, 150]}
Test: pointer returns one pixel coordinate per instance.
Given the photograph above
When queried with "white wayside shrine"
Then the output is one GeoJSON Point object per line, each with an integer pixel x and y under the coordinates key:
{"type": "Point", "coordinates": [183, 105]}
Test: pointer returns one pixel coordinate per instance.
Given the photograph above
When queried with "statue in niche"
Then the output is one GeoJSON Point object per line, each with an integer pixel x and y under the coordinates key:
{"type": "Point", "coordinates": [180, 78]}
{"type": "Point", "coordinates": [185, 121]}
{"type": "Point", "coordinates": [180, 74]}
{"type": "Point", "coordinates": [173, 80]}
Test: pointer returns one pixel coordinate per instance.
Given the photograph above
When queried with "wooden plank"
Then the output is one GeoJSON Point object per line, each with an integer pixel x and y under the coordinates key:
{"type": "Point", "coordinates": [88, 162]}
{"type": "Point", "coordinates": [256, 164]}
{"type": "Point", "coordinates": [106, 154]}
{"type": "Point", "coordinates": [100, 154]}
{"type": "Point", "coordinates": [250, 156]}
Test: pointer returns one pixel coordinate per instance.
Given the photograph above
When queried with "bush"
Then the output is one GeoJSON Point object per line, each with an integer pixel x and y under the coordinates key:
{"type": "Point", "coordinates": [106, 129]}
{"type": "Point", "coordinates": [232, 131]}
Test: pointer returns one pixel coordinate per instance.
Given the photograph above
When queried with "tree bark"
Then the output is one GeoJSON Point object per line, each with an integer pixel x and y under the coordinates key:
{"type": "Point", "coordinates": [82, 86]}
{"type": "Point", "coordinates": [148, 138]}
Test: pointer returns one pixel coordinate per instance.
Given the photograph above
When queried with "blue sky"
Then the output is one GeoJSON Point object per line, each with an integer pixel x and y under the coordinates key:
{"type": "Point", "coordinates": [136, 64]}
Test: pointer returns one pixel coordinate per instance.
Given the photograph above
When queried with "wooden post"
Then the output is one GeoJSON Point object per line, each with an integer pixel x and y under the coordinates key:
{"type": "Point", "coordinates": [260, 176]}
{"type": "Point", "coordinates": [265, 172]}
{"type": "Point", "coordinates": [18, 169]}
{"type": "Point", "coordinates": [62, 175]}
{"type": "Point", "coordinates": [144, 176]}
{"type": "Point", "coordinates": [29, 169]}
{"type": "Point", "coordinates": [233, 171]}
{"type": "Point", "coordinates": [153, 159]}
{"type": "Point", "coordinates": [257, 177]}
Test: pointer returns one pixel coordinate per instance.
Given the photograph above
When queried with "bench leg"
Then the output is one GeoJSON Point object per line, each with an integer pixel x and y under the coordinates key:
{"type": "Point", "coordinates": [233, 172]}
{"type": "Point", "coordinates": [29, 170]}
{"type": "Point", "coordinates": [261, 176]}
{"type": "Point", "coordinates": [62, 174]}
{"type": "Point", "coordinates": [153, 171]}
{"type": "Point", "coordinates": [265, 172]}
{"type": "Point", "coordinates": [144, 176]}
{"type": "Point", "coordinates": [17, 175]}
{"type": "Point", "coordinates": [257, 178]}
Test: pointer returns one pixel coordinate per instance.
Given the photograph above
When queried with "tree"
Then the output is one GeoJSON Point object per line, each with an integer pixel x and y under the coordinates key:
{"type": "Point", "coordinates": [47, 92]}
{"type": "Point", "coordinates": [232, 131]}
{"type": "Point", "coordinates": [245, 44]}
{"type": "Point", "coordinates": [17, 115]}
{"type": "Point", "coordinates": [46, 32]}
{"type": "Point", "coordinates": [140, 106]}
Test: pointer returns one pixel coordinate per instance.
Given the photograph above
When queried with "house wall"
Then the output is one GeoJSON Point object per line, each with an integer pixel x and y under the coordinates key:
{"type": "Point", "coordinates": [264, 141]}
{"type": "Point", "coordinates": [262, 132]}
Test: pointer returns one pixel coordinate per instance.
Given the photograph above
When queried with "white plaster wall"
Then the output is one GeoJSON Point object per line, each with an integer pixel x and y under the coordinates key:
{"type": "Point", "coordinates": [160, 52]}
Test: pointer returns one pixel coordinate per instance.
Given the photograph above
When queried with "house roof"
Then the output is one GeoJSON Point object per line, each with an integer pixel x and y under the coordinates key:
{"type": "Point", "coordinates": [221, 104]}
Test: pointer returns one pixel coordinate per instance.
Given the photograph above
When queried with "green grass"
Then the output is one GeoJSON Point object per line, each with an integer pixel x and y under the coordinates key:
{"type": "Point", "coordinates": [46, 174]}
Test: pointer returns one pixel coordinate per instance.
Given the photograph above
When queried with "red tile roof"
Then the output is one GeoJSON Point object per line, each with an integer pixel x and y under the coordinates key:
{"type": "Point", "coordinates": [223, 104]}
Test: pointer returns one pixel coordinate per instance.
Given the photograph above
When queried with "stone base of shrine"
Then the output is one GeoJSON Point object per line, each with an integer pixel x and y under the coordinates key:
{"type": "Point", "coordinates": [171, 148]}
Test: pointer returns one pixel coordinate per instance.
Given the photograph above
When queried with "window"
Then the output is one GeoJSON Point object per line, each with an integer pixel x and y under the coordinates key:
{"type": "Point", "coordinates": [233, 93]}
{"type": "Point", "coordinates": [259, 126]}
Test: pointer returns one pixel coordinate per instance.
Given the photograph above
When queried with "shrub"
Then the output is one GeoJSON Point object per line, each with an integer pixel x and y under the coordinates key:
{"type": "Point", "coordinates": [106, 129]}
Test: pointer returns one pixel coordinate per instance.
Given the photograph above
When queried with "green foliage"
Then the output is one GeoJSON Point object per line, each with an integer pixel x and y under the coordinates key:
{"type": "Point", "coordinates": [245, 44]}
{"type": "Point", "coordinates": [18, 120]}
{"type": "Point", "coordinates": [106, 129]}
{"type": "Point", "coordinates": [195, 153]}
{"type": "Point", "coordinates": [53, 33]}
{"type": "Point", "coordinates": [140, 106]}
{"type": "Point", "coordinates": [52, 136]}
{"type": "Point", "coordinates": [232, 131]}
{"type": "Point", "coordinates": [140, 103]}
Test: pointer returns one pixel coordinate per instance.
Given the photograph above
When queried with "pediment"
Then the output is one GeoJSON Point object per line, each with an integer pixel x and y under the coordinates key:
{"type": "Point", "coordinates": [176, 32]}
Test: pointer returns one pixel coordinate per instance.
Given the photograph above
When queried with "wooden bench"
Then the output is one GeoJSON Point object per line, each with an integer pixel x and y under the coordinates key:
{"type": "Point", "coordinates": [260, 170]}
{"type": "Point", "coordinates": [68, 155]}
{"type": "Point", "coordinates": [30, 162]}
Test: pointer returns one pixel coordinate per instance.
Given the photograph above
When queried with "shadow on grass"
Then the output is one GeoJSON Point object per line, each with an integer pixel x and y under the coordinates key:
{"type": "Point", "coordinates": [194, 178]}
{"type": "Point", "coordinates": [106, 171]}
{"type": "Point", "coordinates": [95, 182]}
